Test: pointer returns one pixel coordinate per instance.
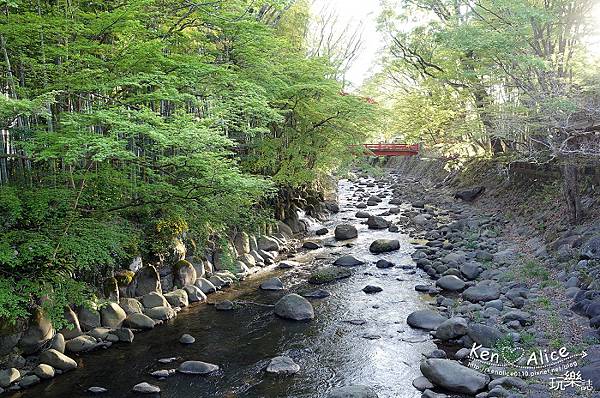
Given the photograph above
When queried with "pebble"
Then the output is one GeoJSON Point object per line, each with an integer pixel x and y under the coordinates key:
{"type": "Point", "coordinates": [187, 339]}
{"type": "Point", "coordinates": [146, 388]}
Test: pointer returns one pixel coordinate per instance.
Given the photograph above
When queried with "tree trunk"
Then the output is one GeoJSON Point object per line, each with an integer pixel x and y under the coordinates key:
{"type": "Point", "coordinates": [570, 174]}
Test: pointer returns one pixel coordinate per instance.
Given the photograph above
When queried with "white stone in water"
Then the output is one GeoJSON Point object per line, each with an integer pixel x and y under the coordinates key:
{"type": "Point", "coordinates": [197, 368]}
{"type": "Point", "coordinates": [187, 339]}
{"type": "Point", "coordinates": [282, 366]}
{"type": "Point", "coordinates": [167, 360]}
{"type": "Point", "coordinates": [146, 388]}
{"type": "Point", "coordinates": [163, 373]}
{"type": "Point", "coordinates": [97, 390]}
{"type": "Point", "coordinates": [288, 264]}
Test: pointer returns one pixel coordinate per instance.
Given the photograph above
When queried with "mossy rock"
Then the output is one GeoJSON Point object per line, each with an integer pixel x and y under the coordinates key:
{"type": "Point", "coordinates": [124, 277]}
{"type": "Point", "coordinates": [328, 274]}
{"type": "Point", "coordinates": [10, 333]}
{"type": "Point", "coordinates": [181, 264]}
{"type": "Point", "coordinates": [111, 288]}
{"type": "Point", "coordinates": [8, 327]}
{"type": "Point", "coordinates": [184, 273]}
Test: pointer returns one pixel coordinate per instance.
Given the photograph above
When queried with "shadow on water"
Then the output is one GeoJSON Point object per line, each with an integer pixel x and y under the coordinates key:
{"type": "Point", "coordinates": [383, 352]}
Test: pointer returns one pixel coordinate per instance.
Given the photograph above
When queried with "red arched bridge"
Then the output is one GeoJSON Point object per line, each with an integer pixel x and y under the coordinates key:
{"type": "Point", "coordinates": [389, 149]}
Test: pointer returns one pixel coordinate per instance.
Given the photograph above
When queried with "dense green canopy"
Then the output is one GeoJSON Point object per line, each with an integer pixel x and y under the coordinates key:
{"type": "Point", "coordinates": [126, 123]}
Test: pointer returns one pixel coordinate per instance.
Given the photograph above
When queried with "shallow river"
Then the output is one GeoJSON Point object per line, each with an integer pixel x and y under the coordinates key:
{"type": "Point", "coordinates": [330, 351]}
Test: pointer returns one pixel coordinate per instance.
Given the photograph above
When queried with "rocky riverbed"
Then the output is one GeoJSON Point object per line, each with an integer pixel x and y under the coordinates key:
{"type": "Point", "coordinates": [385, 299]}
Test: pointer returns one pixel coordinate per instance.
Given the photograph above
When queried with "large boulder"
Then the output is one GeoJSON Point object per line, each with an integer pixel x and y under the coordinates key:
{"type": "Point", "coordinates": [145, 281]}
{"type": "Point", "coordinates": [421, 219]}
{"type": "Point", "coordinates": [332, 206]}
{"type": "Point", "coordinates": [44, 371]}
{"type": "Point", "coordinates": [348, 261]}
{"type": "Point", "coordinates": [377, 222]}
{"type": "Point", "coordinates": [8, 376]}
{"type": "Point", "coordinates": [166, 279]}
{"type": "Point", "coordinates": [184, 274]}
{"type": "Point", "coordinates": [593, 309]}
{"type": "Point", "coordinates": [28, 381]}
{"type": "Point", "coordinates": [58, 342]}
{"type": "Point", "coordinates": [239, 268]}
{"type": "Point", "coordinates": [131, 306]}
{"type": "Point", "coordinates": [57, 360]}
{"type": "Point", "coordinates": [248, 260]}
{"type": "Point", "coordinates": [284, 229]}
{"type": "Point", "coordinates": [591, 249]}
{"type": "Point", "coordinates": [219, 282]}
{"type": "Point", "coordinates": [353, 392]}
{"type": "Point", "coordinates": [112, 315]}
{"type": "Point", "coordinates": [194, 294]}
{"type": "Point", "coordinates": [294, 307]}
{"type": "Point", "coordinates": [205, 286]}
{"type": "Point", "coordinates": [73, 329]}
{"type": "Point", "coordinates": [328, 274]}
{"type": "Point", "coordinates": [81, 344]}
{"type": "Point", "coordinates": [384, 246]}
{"type": "Point", "coordinates": [241, 242]}
{"type": "Point", "coordinates": [154, 299]}
{"type": "Point", "coordinates": [345, 232]}
{"type": "Point", "coordinates": [177, 298]}
{"type": "Point", "coordinates": [470, 270]}
{"type": "Point", "coordinates": [39, 331]}
{"type": "Point", "coordinates": [484, 291]}
{"type": "Point", "coordinates": [267, 257]}
{"type": "Point", "coordinates": [484, 335]}
{"type": "Point", "coordinates": [362, 214]}
{"type": "Point", "coordinates": [89, 318]}
{"type": "Point", "coordinates": [268, 244]}
{"type": "Point", "coordinates": [469, 194]}
{"type": "Point", "coordinates": [199, 266]}
{"type": "Point", "coordinates": [161, 313]}
{"type": "Point", "coordinates": [10, 334]}
{"type": "Point", "coordinates": [451, 283]}
{"type": "Point", "coordinates": [139, 321]}
{"type": "Point", "coordinates": [457, 257]}
{"type": "Point", "coordinates": [272, 284]}
{"type": "Point", "coordinates": [124, 334]}
{"type": "Point", "coordinates": [453, 376]}
{"type": "Point", "coordinates": [294, 222]}
{"type": "Point", "coordinates": [524, 318]}
{"type": "Point", "coordinates": [260, 261]}
{"type": "Point", "coordinates": [425, 319]}
{"type": "Point", "coordinates": [223, 255]}
{"type": "Point", "coordinates": [452, 328]}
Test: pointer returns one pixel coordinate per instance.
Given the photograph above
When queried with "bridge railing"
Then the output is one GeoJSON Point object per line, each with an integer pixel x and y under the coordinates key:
{"type": "Point", "coordinates": [393, 147]}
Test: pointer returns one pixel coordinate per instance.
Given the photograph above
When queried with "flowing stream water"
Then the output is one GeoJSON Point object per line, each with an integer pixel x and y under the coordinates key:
{"type": "Point", "coordinates": [383, 352]}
